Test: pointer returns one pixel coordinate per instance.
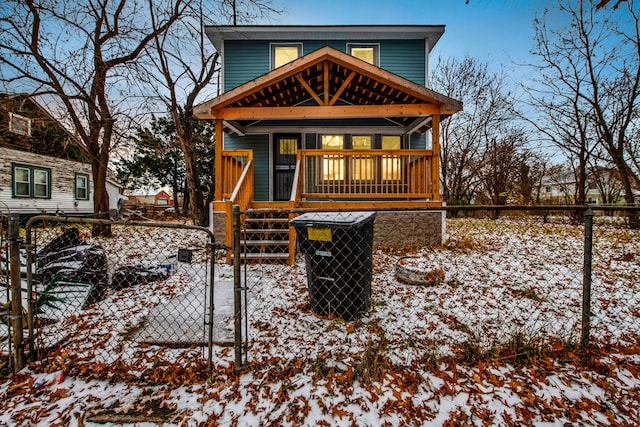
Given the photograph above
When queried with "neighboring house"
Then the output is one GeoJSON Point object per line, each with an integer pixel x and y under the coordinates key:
{"type": "Point", "coordinates": [41, 171]}
{"type": "Point", "coordinates": [160, 198]}
{"type": "Point", "coordinates": [603, 187]}
{"type": "Point", "coordinates": [329, 116]}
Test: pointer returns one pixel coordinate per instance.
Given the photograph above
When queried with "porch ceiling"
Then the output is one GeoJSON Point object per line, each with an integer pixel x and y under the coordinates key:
{"type": "Point", "coordinates": [328, 84]}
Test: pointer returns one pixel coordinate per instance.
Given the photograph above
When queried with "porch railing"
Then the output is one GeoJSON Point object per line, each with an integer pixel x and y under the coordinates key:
{"type": "Point", "coordinates": [233, 166]}
{"type": "Point", "coordinates": [370, 174]}
{"type": "Point", "coordinates": [236, 179]}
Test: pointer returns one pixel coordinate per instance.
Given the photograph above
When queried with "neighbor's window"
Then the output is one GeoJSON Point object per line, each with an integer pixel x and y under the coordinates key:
{"type": "Point", "coordinates": [282, 54]}
{"type": "Point", "coordinates": [362, 167]}
{"type": "Point", "coordinates": [82, 186]}
{"type": "Point", "coordinates": [367, 52]}
{"type": "Point", "coordinates": [391, 164]}
{"type": "Point", "coordinates": [31, 181]}
{"type": "Point", "coordinates": [20, 125]}
{"type": "Point", "coordinates": [333, 164]}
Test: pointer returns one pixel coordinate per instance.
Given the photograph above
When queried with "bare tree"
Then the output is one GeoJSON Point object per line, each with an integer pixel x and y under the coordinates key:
{"type": "Point", "coordinates": [467, 137]}
{"type": "Point", "coordinates": [504, 162]}
{"type": "Point", "coordinates": [77, 56]}
{"type": "Point", "coordinates": [184, 66]}
{"type": "Point", "coordinates": [590, 85]}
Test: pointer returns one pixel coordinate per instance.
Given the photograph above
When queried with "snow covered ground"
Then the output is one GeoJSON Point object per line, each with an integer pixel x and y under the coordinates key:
{"type": "Point", "coordinates": [493, 343]}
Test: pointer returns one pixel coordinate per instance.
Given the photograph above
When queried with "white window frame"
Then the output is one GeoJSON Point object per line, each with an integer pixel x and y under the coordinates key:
{"type": "Point", "coordinates": [376, 50]}
{"type": "Point", "coordinates": [25, 124]}
{"type": "Point", "coordinates": [272, 51]}
{"type": "Point", "coordinates": [32, 182]}
{"type": "Point", "coordinates": [79, 188]}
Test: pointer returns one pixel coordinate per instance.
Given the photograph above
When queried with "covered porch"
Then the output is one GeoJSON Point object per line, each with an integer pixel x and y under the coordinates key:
{"type": "Point", "coordinates": [323, 93]}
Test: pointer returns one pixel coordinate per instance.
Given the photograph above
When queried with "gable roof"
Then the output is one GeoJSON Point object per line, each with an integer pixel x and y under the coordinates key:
{"type": "Point", "coordinates": [328, 84]}
{"type": "Point", "coordinates": [48, 136]}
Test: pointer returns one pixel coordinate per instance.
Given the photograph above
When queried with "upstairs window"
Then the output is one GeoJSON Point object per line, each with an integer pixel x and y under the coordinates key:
{"type": "Point", "coordinates": [20, 125]}
{"type": "Point", "coordinates": [31, 182]}
{"type": "Point", "coordinates": [282, 54]}
{"type": "Point", "coordinates": [82, 186]}
{"type": "Point", "coordinates": [368, 52]}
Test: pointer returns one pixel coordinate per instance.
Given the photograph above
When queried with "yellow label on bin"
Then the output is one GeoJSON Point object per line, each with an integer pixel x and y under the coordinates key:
{"type": "Point", "coordinates": [321, 234]}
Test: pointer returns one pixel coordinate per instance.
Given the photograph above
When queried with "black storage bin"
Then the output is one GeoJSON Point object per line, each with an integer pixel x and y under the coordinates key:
{"type": "Point", "coordinates": [338, 254]}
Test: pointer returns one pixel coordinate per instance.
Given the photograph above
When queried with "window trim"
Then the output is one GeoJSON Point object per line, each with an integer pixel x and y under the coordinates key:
{"type": "Point", "coordinates": [13, 118]}
{"type": "Point", "coordinates": [77, 188]}
{"type": "Point", "coordinates": [32, 182]}
{"type": "Point", "coordinates": [376, 50]}
{"type": "Point", "coordinates": [272, 51]}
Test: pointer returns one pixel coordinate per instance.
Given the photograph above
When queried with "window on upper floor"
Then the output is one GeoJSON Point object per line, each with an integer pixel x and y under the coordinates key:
{"type": "Point", "coordinates": [82, 186]}
{"type": "Point", "coordinates": [19, 124]}
{"type": "Point", "coordinates": [368, 52]}
{"type": "Point", "coordinates": [31, 182]}
{"type": "Point", "coordinates": [282, 54]}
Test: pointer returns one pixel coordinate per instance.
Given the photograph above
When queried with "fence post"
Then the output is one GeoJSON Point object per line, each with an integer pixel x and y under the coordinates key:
{"type": "Point", "coordinates": [586, 279]}
{"type": "Point", "coordinates": [16, 292]}
{"type": "Point", "coordinates": [237, 290]}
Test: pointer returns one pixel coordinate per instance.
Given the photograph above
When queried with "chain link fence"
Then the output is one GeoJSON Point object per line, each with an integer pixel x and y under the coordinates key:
{"type": "Point", "coordinates": [136, 302]}
{"type": "Point", "coordinates": [507, 285]}
{"type": "Point", "coordinates": [154, 297]}
{"type": "Point", "coordinates": [5, 308]}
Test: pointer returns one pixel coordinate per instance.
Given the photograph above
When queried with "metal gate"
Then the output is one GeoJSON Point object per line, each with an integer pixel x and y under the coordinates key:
{"type": "Point", "coordinates": [136, 301]}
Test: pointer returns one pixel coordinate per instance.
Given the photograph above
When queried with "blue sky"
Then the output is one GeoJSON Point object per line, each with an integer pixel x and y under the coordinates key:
{"type": "Point", "coordinates": [497, 31]}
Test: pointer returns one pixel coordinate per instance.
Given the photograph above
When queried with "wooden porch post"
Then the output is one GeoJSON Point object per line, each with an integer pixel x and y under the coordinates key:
{"type": "Point", "coordinates": [218, 159]}
{"type": "Point", "coordinates": [435, 164]}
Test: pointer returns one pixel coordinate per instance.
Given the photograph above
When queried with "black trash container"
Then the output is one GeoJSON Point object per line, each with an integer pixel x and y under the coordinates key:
{"type": "Point", "coordinates": [337, 248]}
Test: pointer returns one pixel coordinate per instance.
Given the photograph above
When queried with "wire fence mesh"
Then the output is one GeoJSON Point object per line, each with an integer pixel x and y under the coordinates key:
{"type": "Point", "coordinates": [5, 297]}
{"type": "Point", "coordinates": [507, 287]}
{"type": "Point", "coordinates": [133, 304]}
{"type": "Point", "coordinates": [139, 303]}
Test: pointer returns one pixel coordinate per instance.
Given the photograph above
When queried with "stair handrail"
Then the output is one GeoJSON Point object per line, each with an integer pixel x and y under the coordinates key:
{"type": "Point", "coordinates": [297, 182]}
{"type": "Point", "coordinates": [243, 191]}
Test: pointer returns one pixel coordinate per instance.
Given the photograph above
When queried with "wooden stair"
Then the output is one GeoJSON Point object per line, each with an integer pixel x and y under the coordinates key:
{"type": "Point", "coordinates": [265, 237]}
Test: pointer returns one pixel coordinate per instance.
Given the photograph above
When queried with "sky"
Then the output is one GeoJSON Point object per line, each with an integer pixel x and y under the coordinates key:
{"type": "Point", "coordinates": [497, 31]}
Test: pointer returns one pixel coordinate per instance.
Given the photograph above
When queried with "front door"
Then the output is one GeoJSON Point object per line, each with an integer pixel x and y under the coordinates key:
{"type": "Point", "coordinates": [284, 164]}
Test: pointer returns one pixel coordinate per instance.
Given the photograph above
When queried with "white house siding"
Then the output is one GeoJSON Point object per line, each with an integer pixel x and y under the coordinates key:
{"type": "Point", "coordinates": [62, 185]}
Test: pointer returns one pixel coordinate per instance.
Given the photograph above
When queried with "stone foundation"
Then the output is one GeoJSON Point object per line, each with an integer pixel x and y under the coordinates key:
{"type": "Point", "coordinates": [220, 227]}
{"type": "Point", "coordinates": [409, 229]}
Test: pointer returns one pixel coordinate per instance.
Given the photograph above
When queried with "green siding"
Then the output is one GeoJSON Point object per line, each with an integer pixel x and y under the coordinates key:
{"type": "Point", "coordinates": [244, 61]}
{"type": "Point", "coordinates": [310, 141]}
{"type": "Point", "coordinates": [404, 58]}
{"type": "Point", "coordinates": [247, 60]}
{"type": "Point", "coordinates": [260, 146]}
{"type": "Point", "coordinates": [418, 142]}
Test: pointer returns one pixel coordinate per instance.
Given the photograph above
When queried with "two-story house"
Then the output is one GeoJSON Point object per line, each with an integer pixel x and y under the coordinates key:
{"type": "Point", "coordinates": [328, 117]}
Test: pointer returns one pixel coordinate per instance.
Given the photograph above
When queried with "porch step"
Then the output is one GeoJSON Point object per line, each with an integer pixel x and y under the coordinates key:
{"type": "Point", "coordinates": [265, 237]}
{"type": "Point", "coordinates": [265, 242]}
{"type": "Point", "coordinates": [264, 257]}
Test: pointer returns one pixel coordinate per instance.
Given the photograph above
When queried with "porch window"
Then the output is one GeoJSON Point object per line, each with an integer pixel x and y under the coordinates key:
{"type": "Point", "coordinates": [31, 182]}
{"type": "Point", "coordinates": [368, 52]}
{"type": "Point", "coordinates": [391, 164]}
{"type": "Point", "coordinates": [333, 164]}
{"type": "Point", "coordinates": [362, 165]}
{"type": "Point", "coordinates": [82, 186]}
{"type": "Point", "coordinates": [282, 54]}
